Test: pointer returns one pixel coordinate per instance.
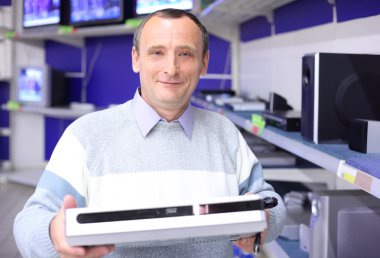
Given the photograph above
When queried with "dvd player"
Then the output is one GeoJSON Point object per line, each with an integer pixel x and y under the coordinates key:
{"type": "Point", "coordinates": [227, 218]}
{"type": "Point", "coordinates": [286, 120]}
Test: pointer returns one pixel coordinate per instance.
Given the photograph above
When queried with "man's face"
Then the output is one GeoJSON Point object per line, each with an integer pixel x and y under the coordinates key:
{"type": "Point", "coordinates": [170, 62]}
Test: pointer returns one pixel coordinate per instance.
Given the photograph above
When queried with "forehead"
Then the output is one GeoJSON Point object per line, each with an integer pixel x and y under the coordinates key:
{"type": "Point", "coordinates": [161, 30]}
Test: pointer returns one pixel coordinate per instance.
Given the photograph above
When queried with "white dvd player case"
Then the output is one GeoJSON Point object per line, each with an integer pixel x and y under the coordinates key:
{"type": "Point", "coordinates": [214, 219]}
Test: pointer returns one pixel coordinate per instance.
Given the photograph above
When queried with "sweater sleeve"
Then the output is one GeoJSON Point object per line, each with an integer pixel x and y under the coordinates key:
{"type": "Point", "coordinates": [63, 175]}
{"type": "Point", "coordinates": [250, 174]}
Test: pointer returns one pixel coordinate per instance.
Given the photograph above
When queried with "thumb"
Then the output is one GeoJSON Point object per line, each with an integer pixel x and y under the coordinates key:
{"type": "Point", "coordinates": [69, 202]}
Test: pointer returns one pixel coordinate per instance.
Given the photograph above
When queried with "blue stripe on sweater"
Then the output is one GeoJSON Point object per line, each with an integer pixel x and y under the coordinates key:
{"type": "Point", "coordinates": [254, 182]}
{"type": "Point", "coordinates": [60, 187]}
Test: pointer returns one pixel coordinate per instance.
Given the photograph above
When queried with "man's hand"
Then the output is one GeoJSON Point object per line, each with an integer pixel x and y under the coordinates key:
{"type": "Point", "coordinates": [247, 243]}
{"type": "Point", "coordinates": [58, 237]}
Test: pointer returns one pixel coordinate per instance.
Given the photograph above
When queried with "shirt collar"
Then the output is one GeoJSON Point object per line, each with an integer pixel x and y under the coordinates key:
{"type": "Point", "coordinates": [147, 117]}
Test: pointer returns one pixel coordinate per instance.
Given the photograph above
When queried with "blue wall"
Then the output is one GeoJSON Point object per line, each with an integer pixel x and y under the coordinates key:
{"type": "Point", "coordinates": [256, 28]}
{"type": "Point", "coordinates": [4, 97]}
{"type": "Point", "coordinates": [4, 115]}
{"type": "Point", "coordinates": [353, 9]}
{"type": "Point", "coordinates": [5, 2]}
{"type": "Point", "coordinates": [4, 121]}
{"type": "Point", "coordinates": [110, 78]}
{"type": "Point", "coordinates": [302, 14]}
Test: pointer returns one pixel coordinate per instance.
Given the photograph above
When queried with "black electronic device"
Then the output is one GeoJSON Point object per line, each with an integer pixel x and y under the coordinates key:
{"type": "Point", "coordinates": [59, 89]}
{"type": "Point", "coordinates": [337, 88]}
{"type": "Point", "coordinates": [38, 14]}
{"type": "Point", "coordinates": [286, 120]}
{"type": "Point", "coordinates": [41, 86]}
{"type": "Point", "coordinates": [144, 7]}
{"type": "Point", "coordinates": [364, 136]}
{"type": "Point", "coordinates": [277, 103]}
{"type": "Point", "coordinates": [217, 92]}
{"type": "Point", "coordinates": [93, 13]}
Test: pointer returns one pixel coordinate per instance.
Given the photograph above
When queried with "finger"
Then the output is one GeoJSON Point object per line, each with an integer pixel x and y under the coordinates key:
{"type": "Point", "coordinates": [57, 231]}
{"type": "Point", "coordinates": [246, 244]}
{"type": "Point", "coordinates": [69, 202]}
{"type": "Point", "coordinates": [99, 251]}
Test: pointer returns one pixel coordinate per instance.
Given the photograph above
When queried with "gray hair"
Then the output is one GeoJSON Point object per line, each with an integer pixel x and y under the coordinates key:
{"type": "Point", "coordinates": [171, 14]}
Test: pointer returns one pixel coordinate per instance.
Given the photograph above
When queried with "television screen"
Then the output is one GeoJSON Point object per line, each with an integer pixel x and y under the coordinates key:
{"type": "Point", "coordinates": [149, 6]}
{"type": "Point", "coordinates": [30, 85]}
{"type": "Point", "coordinates": [87, 12]}
{"type": "Point", "coordinates": [41, 13]}
{"type": "Point", "coordinates": [41, 86]}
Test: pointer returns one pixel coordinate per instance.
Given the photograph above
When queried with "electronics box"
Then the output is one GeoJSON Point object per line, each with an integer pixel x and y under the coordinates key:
{"type": "Point", "coordinates": [227, 218]}
{"type": "Point", "coordinates": [364, 136]}
{"type": "Point", "coordinates": [285, 120]}
{"type": "Point", "coordinates": [93, 13]}
{"type": "Point", "coordinates": [337, 88]}
{"type": "Point", "coordinates": [38, 14]}
{"type": "Point", "coordinates": [326, 205]}
{"type": "Point", "coordinates": [353, 224]}
{"type": "Point", "coordinates": [144, 7]}
{"type": "Point", "coordinates": [41, 86]}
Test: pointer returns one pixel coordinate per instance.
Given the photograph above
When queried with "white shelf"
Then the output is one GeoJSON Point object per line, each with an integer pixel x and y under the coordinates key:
{"type": "Point", "coordinates": [304, 149]}
{"type": "Point", "coordinates": [27, 176]}
{"type": "Point", "coordinates": [359, 178]}
{"type": "Point", "coordinates": [76, 36]}
{"type": "Point", "coordinates": [238, 11]}
{"type": "Point", "coordinates": [56, 112]}
{"type": "Point", "coordinates": [94, 31]}
{"type": "Point", "coordinates": [5, 131]}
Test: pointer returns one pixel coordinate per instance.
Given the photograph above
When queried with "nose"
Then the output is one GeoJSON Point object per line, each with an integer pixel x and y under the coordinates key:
{"type": "Point", "coordinates": [171, 67]}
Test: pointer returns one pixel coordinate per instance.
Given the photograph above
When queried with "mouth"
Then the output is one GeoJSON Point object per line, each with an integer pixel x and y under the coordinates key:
{"type": "Point", "coordinates": [169, 83]}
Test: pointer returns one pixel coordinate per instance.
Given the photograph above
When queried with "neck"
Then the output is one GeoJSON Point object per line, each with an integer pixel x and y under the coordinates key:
{"type": "Point", "coordinates": [171, 115]}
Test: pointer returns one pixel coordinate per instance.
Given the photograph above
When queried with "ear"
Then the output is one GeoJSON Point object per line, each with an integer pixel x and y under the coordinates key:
{"type": "Point", "coordinates": [205, 63]}
{"type": "Point", "coordinates": [135, 60]}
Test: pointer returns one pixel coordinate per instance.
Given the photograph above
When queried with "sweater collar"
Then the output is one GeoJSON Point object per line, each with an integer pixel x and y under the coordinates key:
{"type": "Point", "coordinates": [147, 117]}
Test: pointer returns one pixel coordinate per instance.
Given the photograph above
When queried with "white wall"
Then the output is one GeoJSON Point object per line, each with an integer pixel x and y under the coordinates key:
{"type": "Point", "coordinates": [274, 63]}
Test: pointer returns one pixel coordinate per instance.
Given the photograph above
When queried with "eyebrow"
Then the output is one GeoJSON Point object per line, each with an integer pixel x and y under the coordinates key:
{"type": "Point", "coordinates": [180, 47]}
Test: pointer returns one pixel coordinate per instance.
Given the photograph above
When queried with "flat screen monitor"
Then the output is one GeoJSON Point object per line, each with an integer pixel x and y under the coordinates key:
{"type": "Point", "coordinates": [144, 7]}
{"type": "Point", "coordinates": [41, 13]}
{"type": "Point", "coordinates": [90, 12]}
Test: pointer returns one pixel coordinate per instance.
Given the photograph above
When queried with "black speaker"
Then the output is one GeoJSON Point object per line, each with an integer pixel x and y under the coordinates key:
{"type": "Point", "coordinates": [364, 136]}
{"type": "Point", "coordinates": [59, 90]}
{"type": "Point", "coordinates": [337, 88]}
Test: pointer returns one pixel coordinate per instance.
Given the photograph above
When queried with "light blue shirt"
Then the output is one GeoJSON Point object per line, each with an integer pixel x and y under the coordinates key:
{"type": "Point", "coordinates": [147, 117]}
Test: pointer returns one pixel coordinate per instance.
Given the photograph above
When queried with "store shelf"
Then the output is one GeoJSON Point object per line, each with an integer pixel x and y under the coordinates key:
{"type": "Point", "coordinates": [4, 131]}
{"type": "Point", "coordinates": [27, 176]}
{"type": "Point", "coordinates": [336, 158]}
{"type": "Point", "coordinates": [56, 112]}
{"type": "Point", "coordinates": [72, 36]}
{"type": "Point", "coordinates": [238, 11]}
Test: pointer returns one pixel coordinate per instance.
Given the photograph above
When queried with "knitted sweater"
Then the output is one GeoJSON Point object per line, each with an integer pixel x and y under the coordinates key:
{"type": "Point", "coordinates": [103, 160]}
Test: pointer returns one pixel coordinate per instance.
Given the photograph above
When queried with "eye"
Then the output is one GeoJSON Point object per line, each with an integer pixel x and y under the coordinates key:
{"type": "Point", "coordinates": [156, 53]}
{"type": "Point", "coordinates": [186, 54]}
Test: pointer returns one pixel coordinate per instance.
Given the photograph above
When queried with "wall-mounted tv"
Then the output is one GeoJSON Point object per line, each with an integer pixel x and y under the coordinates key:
{"type": "Point", "coordinates": [144, 7]}
{"type": "Point", "coordinates": [41, 86]}
{"type": "Point", "coordinates": [90, 12]}
{"type": "Point", "coordinates": [41, 13]}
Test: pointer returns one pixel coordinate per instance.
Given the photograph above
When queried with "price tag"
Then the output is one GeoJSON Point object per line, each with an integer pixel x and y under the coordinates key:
{"type": "Point", "coordinates": [10, 34]}
{"type": "Point", "coordinates": [66, 29]}
{"type": "Point", "coordinates": [258, 124]}
{"type": "Point", "coordinates": [133, 23]}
